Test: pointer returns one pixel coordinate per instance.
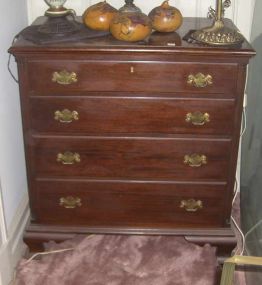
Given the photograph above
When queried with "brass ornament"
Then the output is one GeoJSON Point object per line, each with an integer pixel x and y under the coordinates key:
{"type": "Point", "coordinates": [191, 205]}
{"type": "Point", "coordinates": [68, 158]}
{"type": "Point", "coordinates": [195, 160]}
{"type": "Point", "coordinates": [200, 80]}
{"type": "Point", "coordinates": [66, 116]}
{"type": "Point", "coordinates": [64, 77]}
{"type": "Point", "coordinates": [198, 118]}
{"type": "Point", "coordinates": [70, 202]}
{"type": "Point", "coordinates": [212, 12]}
{"type": "Point", "coordinates": [218, 33]}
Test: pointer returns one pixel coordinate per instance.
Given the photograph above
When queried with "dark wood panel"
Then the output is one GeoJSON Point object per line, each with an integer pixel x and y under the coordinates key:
{"type": "Point", "coordinates": [132, 115]}
{"type": "Point", "coordinates": [146, 205]}
{"type": "Point", "coordinates": [130, 76]}
{"type": "Point", "coordinates": [132, 158]}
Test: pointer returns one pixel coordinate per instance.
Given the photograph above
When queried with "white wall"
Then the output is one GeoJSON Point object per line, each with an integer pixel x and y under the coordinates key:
{"type": "Point", "coordinates": [13, 186]}
{"type": "Point", "coordinates": [240, 12]}
{"type": "Point", "coordinates": [12, 164]}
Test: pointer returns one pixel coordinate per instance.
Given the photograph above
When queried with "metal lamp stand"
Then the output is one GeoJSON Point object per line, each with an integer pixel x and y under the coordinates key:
{"type": "Point", "coordinates": [218, 33]}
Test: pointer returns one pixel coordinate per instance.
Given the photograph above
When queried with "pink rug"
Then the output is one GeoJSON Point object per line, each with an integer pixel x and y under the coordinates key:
{"type": "Point", "coordinates": [122, 260]}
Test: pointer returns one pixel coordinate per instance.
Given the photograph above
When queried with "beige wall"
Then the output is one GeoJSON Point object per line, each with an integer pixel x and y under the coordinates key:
{"type": "Point", "coordinates": [241, 10]}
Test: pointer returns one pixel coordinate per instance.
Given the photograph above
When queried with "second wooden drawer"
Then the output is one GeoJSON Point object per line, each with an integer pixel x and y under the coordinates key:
{"type": "Point", "coordinates": [132, 115]}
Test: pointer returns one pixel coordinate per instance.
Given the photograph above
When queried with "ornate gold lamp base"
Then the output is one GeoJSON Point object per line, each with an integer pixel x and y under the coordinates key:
{"type": "Point", "coordinates": [218, 33]}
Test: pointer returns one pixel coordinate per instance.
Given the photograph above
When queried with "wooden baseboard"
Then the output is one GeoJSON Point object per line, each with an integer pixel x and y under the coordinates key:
{"type": "Point", "coordinates": [222, 238]}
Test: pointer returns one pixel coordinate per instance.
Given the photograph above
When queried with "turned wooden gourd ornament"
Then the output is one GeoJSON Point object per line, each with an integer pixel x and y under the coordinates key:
{"type": "Point", "coordinates": [165, 18]}
{"type": "Point", "coordinates": [130, 24]}
{"type": "Point", "coordinates": [99, 16]}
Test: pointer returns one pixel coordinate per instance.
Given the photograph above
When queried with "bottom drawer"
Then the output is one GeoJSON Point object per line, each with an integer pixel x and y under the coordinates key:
{"type": "Point", "coordinates": [128, 204]}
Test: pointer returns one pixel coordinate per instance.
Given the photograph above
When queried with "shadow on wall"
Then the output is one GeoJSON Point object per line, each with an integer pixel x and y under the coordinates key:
{"type": "Point", "coordinates": [251, 164]}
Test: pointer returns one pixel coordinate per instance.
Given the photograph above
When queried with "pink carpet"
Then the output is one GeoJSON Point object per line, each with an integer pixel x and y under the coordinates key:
{"type": "Point", "coordinates": [126, 260]}
{"type": "Point", "coordinates": [122, 260]}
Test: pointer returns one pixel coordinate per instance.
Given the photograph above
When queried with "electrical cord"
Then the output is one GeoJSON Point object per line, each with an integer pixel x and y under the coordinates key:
{"type": "Point", "coordinates": [243, 130]}
{"type": "Point", "coordinates": [244, 114]}
{"type": "Point", "coordinates": [55, 251]}
{"type": "Point", "coordinates": [9, 61]}
{"type": "Point", "coordinates": [37, 254]}
{"type": "Point", "coordinates": [234, 221]}
{"type": "Point", "coordinates": [244, 122]}
{"type": "Point", "coordinates": [48, 252]}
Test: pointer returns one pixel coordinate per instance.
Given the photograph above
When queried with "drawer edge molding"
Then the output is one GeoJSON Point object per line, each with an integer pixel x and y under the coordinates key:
{"type": "Point", "coordinates": [128, 181]}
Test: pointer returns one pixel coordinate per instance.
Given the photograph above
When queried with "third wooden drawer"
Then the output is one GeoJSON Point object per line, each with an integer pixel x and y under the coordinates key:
{"type": "Point", "coordinates": [131, 158]}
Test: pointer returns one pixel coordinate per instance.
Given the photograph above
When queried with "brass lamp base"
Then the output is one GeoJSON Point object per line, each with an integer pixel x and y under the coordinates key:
{"type": "Point", "coordinates": [59, 26]}
{"type": "Point", "coordinates": [57, 23]}
{"type": "Point", "coordinates": [218, 34]}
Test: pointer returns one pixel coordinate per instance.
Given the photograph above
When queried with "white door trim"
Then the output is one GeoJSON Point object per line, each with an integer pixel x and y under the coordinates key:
{"type": "Point", "coordinates": [3, 230]}
{"type": "Point", "coordinates": [13, 248]}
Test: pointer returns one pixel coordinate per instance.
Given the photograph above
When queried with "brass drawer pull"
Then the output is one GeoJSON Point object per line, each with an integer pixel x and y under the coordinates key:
{"type": "Point", "coordinates": [195, 160]}
{"type": "Point", "coordinates": [70, 202]}
{"type": "Point", "coordinates": [68, 157]}
{"type": "Point", "coordinates": [200, 80]}
{"type": "Point", "coordinates": [66, 116]}
{"type": "Point", "coordinates": [64, 77]}
{"type": "Point", "coordinates": [198, 118]}
{"type": "Point", "coordinates": [191, 205]}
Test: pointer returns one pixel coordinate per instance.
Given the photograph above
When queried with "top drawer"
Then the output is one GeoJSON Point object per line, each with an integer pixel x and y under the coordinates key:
{"type": "Point", "coordinates": [63, 77]}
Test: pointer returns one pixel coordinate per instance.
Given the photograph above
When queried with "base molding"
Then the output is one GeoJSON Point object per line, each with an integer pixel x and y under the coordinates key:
{"type": "Point", "coordinates": [222, 238]}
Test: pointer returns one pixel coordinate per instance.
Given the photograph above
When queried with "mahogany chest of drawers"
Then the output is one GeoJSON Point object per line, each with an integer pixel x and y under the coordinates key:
{"type": "Point", "coordinates": [131, 138]}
